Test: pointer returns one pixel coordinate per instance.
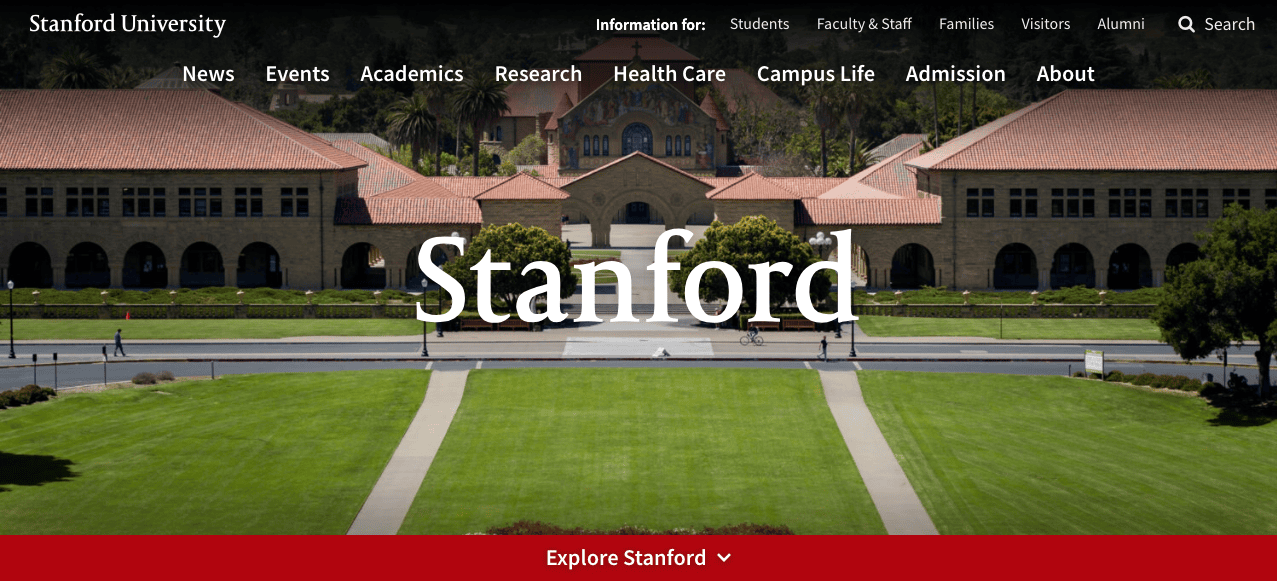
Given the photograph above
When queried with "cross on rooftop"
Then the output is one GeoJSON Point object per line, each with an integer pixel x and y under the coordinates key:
{"type": "Point", "coordinates": [636, 48]}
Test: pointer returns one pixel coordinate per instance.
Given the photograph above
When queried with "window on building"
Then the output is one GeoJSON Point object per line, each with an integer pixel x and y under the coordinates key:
{"type": "Point", "coordinates": [1270, 198]}
{"type": "Point", "coordinates": [1057, 202]}
{"type": "Point", "coordinates": [596, 145]}
{"type": "Point", "coordinates": [605, 146]}
{"type": "Point", "coordinates": [144, 202]}
{"type": "Point", "coordinates": [73, 202]}
{"type": "Point", "coordinates": [1016, 209]}
{"type": "Point", "coordinates": [986, 203]}
{"type": "Point", "coordinates": [255, 202]}
{"type": "Point", "coordinates": [687, 144]}
{"type": "Point", "coordinates": [183, 207]}
{"type": "Point", "coordinates": [104, 203]}
{"type": "Point", "coordinates": [499, 133]}
{"type": "Point", "coordinates": [1172, 204]}
{"type": "Point", "coordinates": [127, 205]}
{"type": "Point", "coordinates": [201, 207]}
{"type": "Point", "coordinates": [1203, 203]}
{"type": "Point", "coordinates": [1243, 198]}
{"type": "Point", "coordinates": [973, 202]}
{"type": "Point", "coordinates": [46, 202]}
{"type": "Point", "coordinates": [678, 147]}
{"type": "Point", "coordinates": [87, 207]}
{"type": "Point", "coordinates": [1115, 203]}
{"type": "Point", "coordinates": [1146, 203]}
{"type": "Point", "coordinates": [1031, 203]}
{"type": "Point", "coordinates": [1073, 206]}
{"type": "Point", "coordinates": [33, 203]}
{"type": "Point", "coordinates": [286, 207]}
{"type": "Point", "coordinates": [157, 206]}
{"type": "Point", "coordinates": [1088, 203]}
{"type": "Point", "coordinates": [4, 202]}
{"type": "Point", "coordinates": [669, 146]}
{"type": "Point", "coordinates": [585, 146]}
{"type": "Point", "coordinates": [303, 202]}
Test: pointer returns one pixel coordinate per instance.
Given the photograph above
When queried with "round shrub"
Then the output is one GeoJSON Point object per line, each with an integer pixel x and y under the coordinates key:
{"type": "Point", "coordinates": [144, 378]}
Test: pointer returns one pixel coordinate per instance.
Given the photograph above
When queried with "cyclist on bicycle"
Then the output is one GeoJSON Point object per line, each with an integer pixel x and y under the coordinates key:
{"type": "Point", "coordinates": [752, 332]}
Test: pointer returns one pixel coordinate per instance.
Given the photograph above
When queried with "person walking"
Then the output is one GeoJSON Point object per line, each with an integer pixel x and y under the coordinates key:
{"type": "Point", "coordinates": [119, 346]}
{"type": "Point", "coordinates": [824, 348]}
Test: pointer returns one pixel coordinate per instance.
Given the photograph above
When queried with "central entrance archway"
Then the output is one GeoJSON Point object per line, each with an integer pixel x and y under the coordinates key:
{"type": "Point", "coordinates": [144, 267]}
{"type": "Point", "coordinates": [636, 137]}
{"type": "Point", "coordinates": [637, 213]}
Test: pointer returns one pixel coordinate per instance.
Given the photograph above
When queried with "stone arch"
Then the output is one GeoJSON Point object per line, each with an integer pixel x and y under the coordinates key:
{"type": "Point", "coordinates": [87, 266]}
{"type": "Point", "coordinates": [1015, 267]}
{"type": "Point", "coordinates": [30, 266]}
{"type": "Point", "coordinates": [1183, 254]}
{"type": "Point", "coordinates": [1129, 268]}
{"type": "Point", "coordinates": [636, 136]}
{"type": "Point", "coordinates": [144, 267]}
{"type": "Point", "coordinates": [201, 266]}
{"type": "Point", "coordinates": [363, 266]}
{"type": "Point", "coordinates": [912, 266]}
{"type": "Point", "coordinates": [1072, 265]}
{"type": "Point", "coordinates": [259, 266]}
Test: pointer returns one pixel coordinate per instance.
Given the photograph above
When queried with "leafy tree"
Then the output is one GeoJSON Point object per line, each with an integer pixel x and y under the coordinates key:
{"type": "Point", "coordinates": [1229, 295]}
{"type": "Point", "coordinates": [826, 107]}
{"type": "Point", "coordinates": [73, 70]}
{"type": "Point", "coordinates": [527, 152]}
{"type": "Point", "coordinates": [411, 122]}
{"type": "Point", "coordinates": [752, 240]}
{"type": "Point", "coordinates": [479, 100]}
{"type": "Point", "coordinates": [436, 95]}
{"type": "Point", "coordinates": [520, 246]}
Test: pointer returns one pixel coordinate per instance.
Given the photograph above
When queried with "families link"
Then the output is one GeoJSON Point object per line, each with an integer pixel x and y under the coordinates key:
{"type": "Point", "coordinates": [660, 268]}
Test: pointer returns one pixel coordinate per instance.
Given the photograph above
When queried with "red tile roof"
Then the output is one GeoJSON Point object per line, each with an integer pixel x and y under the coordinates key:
{"type": "Point", "coordinates": [639, 157]}
{"type": "Point", "coordinates": [177, 129]}
{"type": "Point", "coordinates": [621, 49]}
{"type": "Point", "coordinates": [711, 108]}
{"type": "Point", "coordinates": [384, 210]}
{"type": "Point", "coordinates": [530, 98]}
{"type": "Point", "coordinates": [565, 105]}
{"type": "Point", "coordinates": [808, 187]}
{"type": "Point", "coordinates": [382, 174]}
{"type": "Point", "coordinates": [468, 186]}
{"type": "Point", "coordinates": [868, 212]}
{"type": "Point", "coordinates": [753, 186]}
{"type": "Point", "coordinates": [898, 144]}
{"type": "Point", "coordinates": [1135, 130]}
{"type": "Point", "coordinates": [888, 178]}
{"type": "Point", "coordinates": [522, 186]}
{"type": "Point", "coordinates": [740, 87]}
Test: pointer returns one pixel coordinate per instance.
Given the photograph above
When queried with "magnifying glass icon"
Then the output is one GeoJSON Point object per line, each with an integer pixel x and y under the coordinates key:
{"type": "Point", "coordinates": [1186, 23]}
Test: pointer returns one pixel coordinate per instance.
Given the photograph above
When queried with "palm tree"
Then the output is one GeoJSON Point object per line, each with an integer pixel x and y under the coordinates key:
{"type": "Point", "coordinates": [436, 95]}
{"type": "Point", "coordinates": [411, 122]}
{"type": "Point", "coordinates": [824, 103]}
{"type": "Point", "coordinates": [852, 107]}
{"type": "Point", "coordinates": [479, 101]}
{"type": "Point", "coordinates": [73, 70]}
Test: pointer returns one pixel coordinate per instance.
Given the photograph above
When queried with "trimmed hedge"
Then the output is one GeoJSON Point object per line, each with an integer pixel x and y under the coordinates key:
{"type": "Point", "coordinates": [529, 527]}
{"type": "Point", "coordinates": [1177, 382]}
{"type": "Point", "coordinates": [27, 395]}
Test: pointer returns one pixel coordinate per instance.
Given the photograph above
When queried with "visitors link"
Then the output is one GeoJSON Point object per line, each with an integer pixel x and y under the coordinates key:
{"type": "Point", "coordinates": [660, 267]}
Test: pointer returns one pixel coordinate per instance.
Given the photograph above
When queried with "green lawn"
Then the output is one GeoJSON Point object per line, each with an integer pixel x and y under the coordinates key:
{"type": "Point", "coordinates": [98, 329]}
{"type": "Point", "coordinates": [263, 454]}
{"type": "Point", "coordinates": [1123, 329]}
{"type": "Point", "coordinates": [996, 454]}
{"type": "Point", "coordinates": [654, 448]}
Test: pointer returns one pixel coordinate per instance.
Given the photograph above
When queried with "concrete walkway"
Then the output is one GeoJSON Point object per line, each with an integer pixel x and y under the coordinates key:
{"type": "Point", "coordinates": [898, 505]}
{"type": "Point", "coordinates": [392, 496]}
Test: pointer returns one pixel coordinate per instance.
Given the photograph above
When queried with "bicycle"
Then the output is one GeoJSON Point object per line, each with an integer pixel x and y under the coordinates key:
{"type": "Point", "coordinates": [755, 338]}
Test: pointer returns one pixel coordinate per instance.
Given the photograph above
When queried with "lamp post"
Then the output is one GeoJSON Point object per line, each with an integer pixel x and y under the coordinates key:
{"type": "Point", "coordinates": [12, 355]}
{"type": "Point", "coordinates": [853, 321]}
{"type": "Point", "coordinates": [425, 327]}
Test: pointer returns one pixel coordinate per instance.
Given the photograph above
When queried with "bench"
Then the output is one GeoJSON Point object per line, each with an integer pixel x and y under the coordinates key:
{"type": "Point", "coordinates": [764, 326]}
{"type": "Point", "coordinates": [513, 324]}
{"type": "Point", "coordinates": [798, 324]}
{"type": "Point", "coordinates": [475, 325]}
